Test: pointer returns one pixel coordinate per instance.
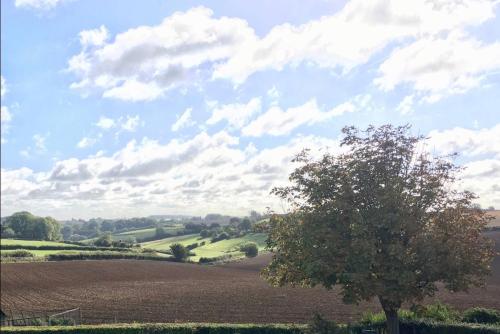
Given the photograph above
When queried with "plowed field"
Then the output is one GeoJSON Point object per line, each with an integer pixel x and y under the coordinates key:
{"type": "Point", "coordinates": [152, 291]}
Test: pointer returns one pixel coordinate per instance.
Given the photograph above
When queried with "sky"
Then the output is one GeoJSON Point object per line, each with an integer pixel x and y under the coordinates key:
{"type": "Point", "coordinates": [125, 108]}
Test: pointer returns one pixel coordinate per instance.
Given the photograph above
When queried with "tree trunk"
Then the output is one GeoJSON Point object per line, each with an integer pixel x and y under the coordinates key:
{"type": "Point", "coordinates": [391, 313]}
{"type": "Point", "coordinates": [392, 321]}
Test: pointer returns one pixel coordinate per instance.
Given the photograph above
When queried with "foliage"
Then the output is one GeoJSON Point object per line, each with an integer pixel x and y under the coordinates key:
{"type": "Point", "coordinates": [437, 311]}
{"type": "Point", "coordinates": [103, 255]}
{"type": "Point", "coordinates": [250, 249]}
{"type": "Point", "coordinates": [319, 325]}
{"type": "Point", "coordinates": [186, 328]}
{"type": "Point", "coordinates": [179, 252]}
{"type": "Point", "coordinates": [104, 241]}
{"type": "Point", "coordinates": [382, 220]}
{"type": "Point", "coordinates": [219, 237]}
{"type": "Point", "coordinates": [17, 253]}
{"type": "Point", "coordinates": [27, 226]}
{"type": "Point", "coordinates": [481, 315]}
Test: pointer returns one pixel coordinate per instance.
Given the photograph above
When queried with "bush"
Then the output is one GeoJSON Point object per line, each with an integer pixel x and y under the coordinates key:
{"type": "Point", "coordinates": [18, 253]}
{"type": "Point", "coordinates": [106, 256]}
{"type": "Point", "coordinates": [319, 325]}
{"type": "Point", "coordinates": [250, 249]}
{"type": "Point", "coordinates": [163, 329]}
{"type": "Point", "coordinates": [192, 246]}
{"type": "Point", "coordinates": [481, 316]}
{"type": "Point", "coordinates": [179, 252]}
{"type": "Point", "coordinates": [220, 237]}
{"type": "Point", "coordinates": [104, 241]}
{"type": "Point", "coordinates": [437, 311]}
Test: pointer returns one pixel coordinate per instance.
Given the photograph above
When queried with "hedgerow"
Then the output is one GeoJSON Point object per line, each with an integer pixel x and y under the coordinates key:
{"type": "Point", "coordinates": [68, 247]}
{"type": "Point", "coordinates": [106, 256]}
{"type": "Point", "coordinates": [163, 329]}
{"type": "Point", "coordinates": [406, 327]}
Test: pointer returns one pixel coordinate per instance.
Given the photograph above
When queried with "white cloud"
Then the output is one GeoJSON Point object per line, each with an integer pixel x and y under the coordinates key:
{"type": "Point", "coordinates": [204, 174]}
{"type": "Point", "coordinates": [183, 121]}
{"type": "Point", "coordinates": [131, 123]}
{"type": "Point", "coordinates": [438, 67]}
{"type": "Point", "coordinates": [105, 123]}
{"type": "Point", "coordinates": [236, 114]}
{"type": "Point", "coordinates": [3, 86]}
{"type": "Point", "coordinates": [467, 142]}
{"type": "Point", "coordinates": [371, 26]}
{"type": "Point", "coordinates": [39, 142]}
{"type": "Point", "coordinates": [86, 142]}
{"type": "Point", "coordinates": [94, 37]}
{"type": "Point", "coordinates": [278, 122]}
{"type": "Point", "coordinates": [5, 115]}
{"type": "Point", "coordinates": [38, 4]}
{"type": "Point", "coordinates": [143, 62]}
{"type": "Point", "coordinates": [406, 105]}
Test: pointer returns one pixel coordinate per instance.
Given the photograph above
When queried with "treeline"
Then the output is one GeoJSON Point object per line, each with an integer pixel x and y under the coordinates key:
{"type": "Point", "coordinates": [24, 225]}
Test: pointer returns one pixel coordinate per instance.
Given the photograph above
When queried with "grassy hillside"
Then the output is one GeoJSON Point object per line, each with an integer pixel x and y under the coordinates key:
{"type": "Point", "coordinates": [230, 246]}
{"type": "Point", "coordinates": [31, 243]}
{"type": "Point", "coordinates": [216, 249]}
{"type": "Point", "coordinates": [142, 233]}
{"type": "Point", "coordinates": [164, 244]}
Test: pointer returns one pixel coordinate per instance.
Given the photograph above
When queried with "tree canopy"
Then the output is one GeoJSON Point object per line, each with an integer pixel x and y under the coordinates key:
{"type": "Point", "coordinates": [382, 219]}
{"type": "Point", "coordinates": [28, 226]}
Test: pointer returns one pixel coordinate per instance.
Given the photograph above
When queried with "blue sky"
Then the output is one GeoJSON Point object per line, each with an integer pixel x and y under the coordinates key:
{"type": "Point", "coordinates": [130, 108]}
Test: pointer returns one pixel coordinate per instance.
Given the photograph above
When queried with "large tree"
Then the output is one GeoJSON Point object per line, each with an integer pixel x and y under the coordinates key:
{"type": "Point", "coordinates": [27, 226]}
{"type": "Point", "coordinates": [382, 219]}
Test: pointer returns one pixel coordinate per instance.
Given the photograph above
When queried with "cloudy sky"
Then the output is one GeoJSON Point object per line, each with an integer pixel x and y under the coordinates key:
{"type": "Point", "coordinates": [131, 108]}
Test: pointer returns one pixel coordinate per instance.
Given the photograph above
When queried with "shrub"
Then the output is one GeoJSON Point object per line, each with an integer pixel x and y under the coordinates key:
{"type": "Point", "coordinates": [319, 325]}
{"type": "Point", "coordinates": [192, 246]}
{"type": "Point", "coordinates": [250, 249]}
{"type": "Point", "coordinates": [179, 252]}
{"type": "Point", "coordinates": [106, 256]}
{"type": "Point", "coordinates": [220, 237]}
{"type": "Point", "coordinates": [104, 241]}
{"type": "Point", "coordinates": [18, 253]}
{"type": "Point", "coordinates": [437, 311]}
{"type": "Point", "coordinates": [481, 316]}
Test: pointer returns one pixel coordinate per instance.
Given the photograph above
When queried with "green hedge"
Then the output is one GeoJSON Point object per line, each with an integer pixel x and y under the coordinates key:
{"type": "Point", "coordinates": [431, 327]}
{"type": "Point", "coordinates": [406, 327]}
{"type": "Point", "coordinates": [68, 247]}
{"type": "Point", "coordinates": [162, 329]}
{"type": "Point", "coordinates": [106, 256]}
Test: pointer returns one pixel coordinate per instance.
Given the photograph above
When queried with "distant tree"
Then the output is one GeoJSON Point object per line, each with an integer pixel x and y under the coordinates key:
{"type": "Point", "coordinates": [255, 216]}
{"type": "Point", "coordinates": [250, 249]}
{"type": "Point", "coordinates": [491, 208]}
{"type": "Point", "coordinates": [104, 241]}
{"type": "Point", "coordinates": [160, 232]}
{"type": "Point", "coordinates": [245, 224]}
{"type": "Point", "coordinates": [234, 221]}
{"type": "Point", "coordinates": [204, 233]}
{"type": "Point", "coordinates": [214, 225]}
{"type": "Point", "coordinates": [382, 220]}
{"type": "Point", "coordinates": [219, 237]}
{"type": "Point", "coordinates": [66, 231]}
{"type": "Point", "coordinates": [8, 233]}
{"type": "Point", "coordinates": [107, 226]}
{"type": "Point", "coordinates": [179, 252]}
{"type": "Point", "coordinates": [27, 226]}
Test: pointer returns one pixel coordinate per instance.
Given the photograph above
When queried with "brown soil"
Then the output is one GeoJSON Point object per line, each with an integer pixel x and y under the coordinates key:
{"type": "Point", "coordinates": [152, 291]}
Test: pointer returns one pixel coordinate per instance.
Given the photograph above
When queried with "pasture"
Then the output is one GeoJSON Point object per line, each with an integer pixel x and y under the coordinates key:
{"type": "Point", "coordinates": [228, 247]}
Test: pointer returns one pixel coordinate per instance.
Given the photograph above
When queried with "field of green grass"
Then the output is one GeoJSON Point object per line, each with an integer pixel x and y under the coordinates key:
{"type": "Point", "coordinates": [142, 233]}
{"type": "Point", "coordinates": [220, 248]}
{"type": "Point", "coordinates": [164, 244]}
{"type": "Point", "coordinates": [31, 242]}
{"type": "Point", "coordinates": [41, 253]}
{"type": "Point", "coordinates": [229, 246]}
